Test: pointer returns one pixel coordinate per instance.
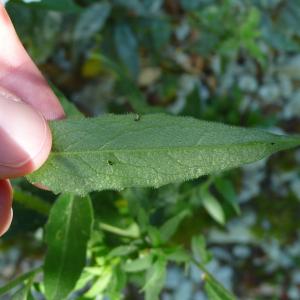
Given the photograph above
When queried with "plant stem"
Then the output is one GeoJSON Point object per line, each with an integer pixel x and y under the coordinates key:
{"type": "Point", "coordinates": [209, 277]}
{"type": "Point", "coordinates": [32, 202]}
{"type": "Point", "coordinates": [117, 230]}
{"type": "Point", "coordinates": [12, 284]}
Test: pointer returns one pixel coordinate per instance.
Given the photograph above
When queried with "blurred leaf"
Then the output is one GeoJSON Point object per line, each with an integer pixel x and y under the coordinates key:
{"type": "Point", "coordinates": [216, 291]}
{"type": "Point", "coordinates": [131, 231]}
{"type": "Point", "coordinates": [91, 21]}
{"type": "Point", "coordinates": [70, 109]}
{"type": "Point", "coordinates": [22, 294]}
{"type": "Point", "coordinates": [32, 202]}
{"type": "Point", "coordinates": [199, 249]}
{"type": "Point", "coordinates": [117, 284]}
{"type": "Point", "coordinates": [123, 250]}
{"type": "Point", "coordinates": [152, 6]}
{"type": "Point", "coordinates": [193, 4]}
{"type": "Point", "coordinates": [61, 5]}
{"type": "Point", "coordinates": [193, 105]}
{"type": "Point", "coordinates": [155, 279]}
{"type": "Point", "coordinates": [40, 32]}
{"type": "Point", "coordinates": [100, 284]}
{"type": "Point", "coordinates": [154, 235]}
{"type": "Point", "coordinates": [178, 255]}
{"type": "Point", "coordinates": [276, 37]}
{"type": "Point", "coordinates": [169, 228]}
{"type": "Point", "coordinates": [134, 5]}
{"type": "Point", "coordinates": [129, 88]}
{"type": "Point", "coordinates": [161, 32]}
{"type": "Point", "coordinates": [127, 48]}
{"type": "Point", "coordinates": [19, 280]}
{"type": "Point", "coordinates": [213, 207]}
{"type": "Point", "coordinates": [226, 189]}
{"type": "Point", "coordinates": [67, 233]}
{"type": "Point", "coordinates": [139, 264]}
{"type": "Point", "coordinates": [84, 279]}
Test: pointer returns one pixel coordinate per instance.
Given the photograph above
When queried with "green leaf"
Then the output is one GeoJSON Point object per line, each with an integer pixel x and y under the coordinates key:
{"type": "Point", "coordinates": [129, 88]}
{"type": "Point", "coordinates": [169, 228]}
{"type": "Point", "coordinates": [119, 151]}
{"type": "Point", "coordinates": [67, 234]}
{"type": "Point", "coordinates": [91, 21]}
{"type": "Point", "coordinates": [117, 284]}
{"type": "Point", "coordinates": [127, 47]}
{"type": "Point", "coordinates": [226, 189]}
{"type": "Point", "coordinates": [191, 4]}
{"type": "Point", "coordinates": [61, 5]}
{"type": "Point", "coordinates": [199, 249]}
{"type": "Point", "coordinates": [100, 284]}
{"type": "Point", "coordinates": [134, 5]}
{"type": "Point", "coordinates": [32, 202]}
{"type": "Point", "coordinates": [177, 254]}
{"type": "Point", "coordinates": [131, 231]}
{"type": "Point", "coordinates": [19, 280]}
{"type": "Point", "coordinates": [84, 280]}
{"type": "Point", "coordinates": [213, 207]}
{"type": "Point", "coordinates": [123, 250]}
{"type": "Point", "coordinates": [21, 294]}
{"type": "Point", "coordinates": [138, 265]}
{"type": "Point", "coordinates": [70, 109]}
{"type": "Point", "coordinates": [154, 235]}
{"type": "Point", "coordinates": [216, 291]}
{"type": "Point", "coordinates": [155, 279]}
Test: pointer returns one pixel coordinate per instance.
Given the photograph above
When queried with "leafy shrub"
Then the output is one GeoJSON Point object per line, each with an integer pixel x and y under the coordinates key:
{"type": "Point", "coordinates": [144, 57]}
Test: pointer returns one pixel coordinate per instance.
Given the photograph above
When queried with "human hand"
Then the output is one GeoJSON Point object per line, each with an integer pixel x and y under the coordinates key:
{"type": "Point", "coordinates": [26, 102]}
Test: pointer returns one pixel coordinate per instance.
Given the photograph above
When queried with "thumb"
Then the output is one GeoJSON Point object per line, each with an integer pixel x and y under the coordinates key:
{"type": "Point", "coordinates": [25, 138]}
{"type": "Point", "coordinates": [25, 143]}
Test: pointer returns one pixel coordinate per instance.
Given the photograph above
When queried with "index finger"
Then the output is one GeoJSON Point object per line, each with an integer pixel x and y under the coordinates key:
{"type": "Point", "coordinates": [19, 74]}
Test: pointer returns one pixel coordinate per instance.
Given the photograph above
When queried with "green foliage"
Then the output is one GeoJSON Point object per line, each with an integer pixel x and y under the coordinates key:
{"type": "Point", "coordinates": [117, 152]}
{"type": "Point", "coordinates": [181, 57]}
{"type": "Point", "coordinates": [67, 233]}
{"type": "Point", "coordinates": [62, 5]}
{"type": "Point", "coordinates": [213, 207]}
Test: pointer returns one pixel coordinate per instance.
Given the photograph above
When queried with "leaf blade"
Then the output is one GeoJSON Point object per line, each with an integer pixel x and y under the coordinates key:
{"type": "Point", "coordinates": [68, 231]}
{"type": "Point", "coordinates": [120, 151]}
{"type": "Point", "coordinates": [213, 207]}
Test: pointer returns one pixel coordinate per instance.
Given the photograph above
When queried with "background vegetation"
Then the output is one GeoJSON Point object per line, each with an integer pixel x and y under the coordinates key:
{"type": "Point", "coordinates": [234, 61]}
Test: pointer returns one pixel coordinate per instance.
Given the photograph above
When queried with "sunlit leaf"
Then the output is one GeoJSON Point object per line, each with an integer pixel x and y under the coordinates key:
{"type": "Point", "coordinates": [139, 264]}
{"type": "Point", "coordinates": [213, 207]}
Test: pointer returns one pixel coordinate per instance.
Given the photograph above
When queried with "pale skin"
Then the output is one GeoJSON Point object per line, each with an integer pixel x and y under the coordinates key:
{"type": "Point", "coordinates": [26, 102]}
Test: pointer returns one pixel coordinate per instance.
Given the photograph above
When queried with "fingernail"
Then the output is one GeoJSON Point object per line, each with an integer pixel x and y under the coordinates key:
{"type": "Point", "coordinates": [23, 132]}
{"type": "Point", "coordinates": [41, 186]}
{"type": "Point", "coordinates": [6, 212]}
{"type": "Point", "coordinates": [7, 224]}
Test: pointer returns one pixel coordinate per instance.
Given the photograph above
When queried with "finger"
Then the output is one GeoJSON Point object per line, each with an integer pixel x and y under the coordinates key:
{"type": "Point", "coordinates": [5, 206]}
{"type": "Point", "coordinates": [19, 74]}
{"type": "Point", "coordinates": [25, 137]}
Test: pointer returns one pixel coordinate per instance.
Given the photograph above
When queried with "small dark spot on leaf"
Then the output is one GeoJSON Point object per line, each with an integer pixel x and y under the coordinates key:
{"type": "Point", "coordinates": [110, 162]}
{"type": "Point", "coordinates": [272, 143]}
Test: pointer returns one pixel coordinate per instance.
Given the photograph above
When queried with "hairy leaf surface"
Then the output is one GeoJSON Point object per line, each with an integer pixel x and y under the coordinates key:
{"type": "Point", "coordinates": [119, 151]}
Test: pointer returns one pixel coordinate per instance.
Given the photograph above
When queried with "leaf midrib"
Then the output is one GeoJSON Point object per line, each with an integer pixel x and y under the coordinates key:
{"type": "Point", "coordinates": [64, 246]}
{"type": "Point", "coordinates": [162, 149]}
